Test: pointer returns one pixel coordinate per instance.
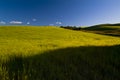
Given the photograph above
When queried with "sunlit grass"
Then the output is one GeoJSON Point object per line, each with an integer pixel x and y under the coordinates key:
{"type": "Point", "coordinates": [30, 41]}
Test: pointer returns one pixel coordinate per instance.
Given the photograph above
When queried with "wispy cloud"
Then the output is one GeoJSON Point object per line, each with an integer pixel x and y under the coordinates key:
{"type": "Point", "coordinates": [34, 19]}
{"type": "Point", "coordinates": [58, 22]}
{"type": "Point", "coordinates": [16, 22]}
{"type": "Point", "coordinates": [51, 24]}
{"type": "Point", "coordinates": [28, 22]}
{"type": "Point", "coordinates": [2, 22]}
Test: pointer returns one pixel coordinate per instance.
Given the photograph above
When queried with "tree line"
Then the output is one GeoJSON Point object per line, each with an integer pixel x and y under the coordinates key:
{"type": "Point", "coordinates": [71, 27]}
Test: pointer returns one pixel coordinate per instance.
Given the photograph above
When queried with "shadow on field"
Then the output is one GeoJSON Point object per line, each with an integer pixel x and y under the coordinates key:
{"type": "Point", "coordinates": [74, 63]}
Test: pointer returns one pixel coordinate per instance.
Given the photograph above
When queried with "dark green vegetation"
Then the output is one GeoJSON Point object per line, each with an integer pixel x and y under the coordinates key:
{"type": "Point", "coordinates": [106, 29]}
{"type": "Point", "coordinates": [74, 63]}
{"type": "Point", "coordinates": [52, 53]}
{"type": "Point", "coordinates": [71, 27]}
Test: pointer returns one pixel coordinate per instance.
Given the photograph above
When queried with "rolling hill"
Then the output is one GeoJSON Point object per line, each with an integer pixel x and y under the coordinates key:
{"type": "Point", "coordinates": [53, 53]}
{"type": "Point", "coordinates": [106, 29]}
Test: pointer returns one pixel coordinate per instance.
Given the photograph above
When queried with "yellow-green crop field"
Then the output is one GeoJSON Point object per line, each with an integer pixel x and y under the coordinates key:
{"type": "Point", "coordinates": [53, 53]}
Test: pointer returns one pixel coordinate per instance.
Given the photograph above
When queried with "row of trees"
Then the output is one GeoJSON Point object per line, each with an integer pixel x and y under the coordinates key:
{"type": "Point", "coordinates": [71, 27]}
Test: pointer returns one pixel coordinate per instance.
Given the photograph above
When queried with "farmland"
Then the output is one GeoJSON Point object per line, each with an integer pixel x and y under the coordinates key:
{"type": "Point", "coordinates": [53, 53]}
{"type": "Point", "coordinates": [105, 29]}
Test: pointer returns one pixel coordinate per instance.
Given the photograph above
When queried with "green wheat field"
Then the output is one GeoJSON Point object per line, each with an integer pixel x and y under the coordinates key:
{"type": "Point", "coordinates": [54, 53]}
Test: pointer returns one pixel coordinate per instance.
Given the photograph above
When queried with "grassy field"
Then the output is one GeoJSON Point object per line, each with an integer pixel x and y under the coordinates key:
{"type": "Point", "coordinates": [53, 53]}
{"type": "Point", "coordinates": [111, 30]}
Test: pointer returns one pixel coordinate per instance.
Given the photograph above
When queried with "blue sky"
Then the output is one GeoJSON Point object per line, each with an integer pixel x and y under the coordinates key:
{"type": "Point", "coordinates": [59, 12]}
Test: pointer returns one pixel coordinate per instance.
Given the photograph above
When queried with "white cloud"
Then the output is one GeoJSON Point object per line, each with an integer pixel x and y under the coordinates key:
{"type": "Point", "coordinates": [2, 22]}
{"type": "Point", "coordinates": [16, 22]}
{"type": "Point", "coordinates": [58, 22]}
{"type": "Point", "coordinates": [34, 19]}
{"type": "Point", "coordinates": [28, 22]}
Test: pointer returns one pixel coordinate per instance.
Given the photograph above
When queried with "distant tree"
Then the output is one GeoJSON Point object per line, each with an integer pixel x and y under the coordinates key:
{"type": "Point", "coordinates": [71, 27]}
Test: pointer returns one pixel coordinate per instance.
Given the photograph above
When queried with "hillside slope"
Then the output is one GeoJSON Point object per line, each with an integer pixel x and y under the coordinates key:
{"type": "Point", "coordinates": [53, 53]}
{"type": "Point", "coordinates": [106, 29]}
